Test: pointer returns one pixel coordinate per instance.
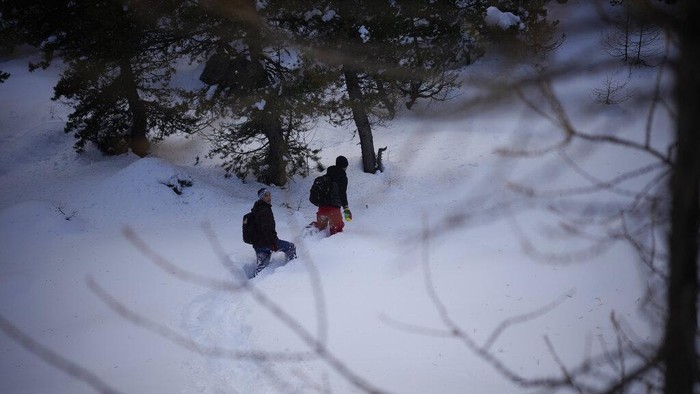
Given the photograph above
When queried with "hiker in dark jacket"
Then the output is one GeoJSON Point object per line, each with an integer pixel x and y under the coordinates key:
{"type": "Point", "coordinates": [329, 215]}
{"type": "Point", "coordinates": [267, 239]}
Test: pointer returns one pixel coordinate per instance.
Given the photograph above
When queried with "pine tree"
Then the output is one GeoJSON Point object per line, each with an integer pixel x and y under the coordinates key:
{"type": "Point", "coordinates": [266, 96]}
{"type": "Point", "coordinates": [118, 64]}
{"type": "Point", "coordinates": [528, 41]}
{"type": "Point", "coordinates": [381, 53]}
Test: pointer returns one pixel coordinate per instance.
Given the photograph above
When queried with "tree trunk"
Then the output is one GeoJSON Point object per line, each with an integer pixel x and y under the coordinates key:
{"type": "Point", "coordinates": [276, 173]}
{"type": "Point", "coordinates": [680, 353]}
{"type": "Point", "coordinates": [269, 119]}
{"type": "Point", "coordinates": [359, 113]}
{"type": "Point", "coordinates": [137, 140]}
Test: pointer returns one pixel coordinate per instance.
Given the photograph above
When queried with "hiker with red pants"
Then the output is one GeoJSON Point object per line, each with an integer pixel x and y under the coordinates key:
{"type": "Point", "coordinates": [328, 214]}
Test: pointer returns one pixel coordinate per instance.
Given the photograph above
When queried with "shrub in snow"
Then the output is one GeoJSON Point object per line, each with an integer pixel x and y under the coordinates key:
{"type": "Point", "coordinates": [177, 182]}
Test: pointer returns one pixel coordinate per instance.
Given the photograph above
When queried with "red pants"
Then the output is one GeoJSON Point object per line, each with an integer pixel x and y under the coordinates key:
{"type": "Point", "coordinates": [329, 215]}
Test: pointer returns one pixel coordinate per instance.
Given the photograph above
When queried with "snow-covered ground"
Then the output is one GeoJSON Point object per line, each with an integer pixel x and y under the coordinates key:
{"type": "Point", "coordinates": [83, 235]}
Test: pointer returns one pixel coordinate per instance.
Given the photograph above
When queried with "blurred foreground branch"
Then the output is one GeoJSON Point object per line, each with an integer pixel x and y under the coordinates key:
{"type": "Point", "coordinates": [54, 359]}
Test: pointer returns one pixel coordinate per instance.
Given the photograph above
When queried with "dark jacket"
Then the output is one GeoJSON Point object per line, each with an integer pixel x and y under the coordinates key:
{"type": "Point", "coordinates": [339, 198]}
{"type": "Point", "coordinates": [266, 224]}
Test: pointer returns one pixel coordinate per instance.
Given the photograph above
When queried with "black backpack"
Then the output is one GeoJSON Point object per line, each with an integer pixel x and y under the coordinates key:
{"type": "Point", "coordinates": [320, 193]}
{"type": "Point", "coordinates": [250, 228]}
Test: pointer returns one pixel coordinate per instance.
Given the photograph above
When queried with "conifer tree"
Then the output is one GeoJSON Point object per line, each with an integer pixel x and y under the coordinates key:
{"type": "Point", "coordinates": [529, 40]}
{"type": "Point", "coordinates": [118, 65]}
{"type": "Point", "coordinates": [384, 53]}
{"type": "Point", "coordinates": [266, 95]}
{"type": "Point", "coordinates": [381, 53]}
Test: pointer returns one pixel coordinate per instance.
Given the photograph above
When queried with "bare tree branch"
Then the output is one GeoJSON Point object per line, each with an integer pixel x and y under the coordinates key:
{"type": "Point", "coordinates": [524, 318]}
{"type": "Point", "coordinates": [568, 377]}
{"type": "Point", "coordinates": [54, 359]}
{"type": "Point", "coordinates": [318, 348]}
{"type": "Point", "coordinates": [176, 271]}
{"type": "Point", "coordinates": [186, 342]}
{"type": "Point", "coordinates": [319, 298]}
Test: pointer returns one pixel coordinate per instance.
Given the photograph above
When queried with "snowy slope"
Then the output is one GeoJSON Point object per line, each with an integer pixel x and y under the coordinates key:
{"type": "Point", "coordinates": [365, 294]}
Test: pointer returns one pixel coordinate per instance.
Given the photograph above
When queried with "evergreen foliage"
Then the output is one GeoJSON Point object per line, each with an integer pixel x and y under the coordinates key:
{"type": "Point", "coordinates": [8, 38]}
{"type": "Point", "coordinates": [530, 40]}
{"type": "Point", "coordinates": [117, 68]}
{"type": "Point", "coordinates": [379, 53]}
{"type": "Point", "coordinates": [264, 96]}
{"type": "Point", "coordinates": [385, 53]}
{"type": "Point", "coordinates": [273, 68]}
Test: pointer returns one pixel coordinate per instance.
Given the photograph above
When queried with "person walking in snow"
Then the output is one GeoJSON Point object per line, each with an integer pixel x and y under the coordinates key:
{"type": "Point", "coordinates": [267, 241]}
{"type": "Point", "coordinates": [328, 215]}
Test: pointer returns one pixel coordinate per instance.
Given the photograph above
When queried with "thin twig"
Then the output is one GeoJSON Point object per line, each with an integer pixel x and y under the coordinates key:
{"type": "Point", "coordinates": [186, 342]}
{"type": "Point", "coordinates": [318, 347]}
{"type": "Point", "coordinates": [54, 359]}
